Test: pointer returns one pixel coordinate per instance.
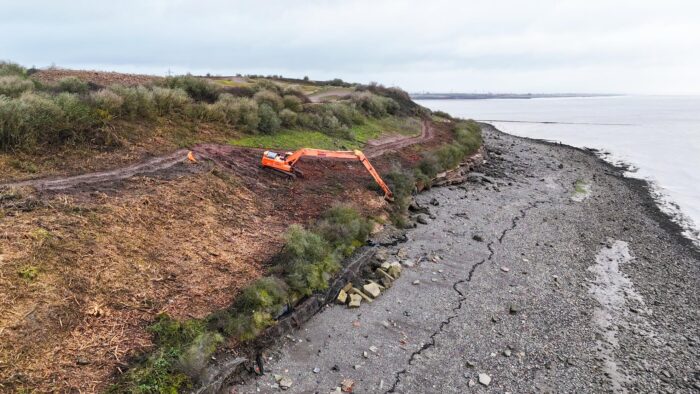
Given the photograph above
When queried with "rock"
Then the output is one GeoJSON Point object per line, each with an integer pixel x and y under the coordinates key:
{"type": "Point", "coordinates": [469, 364]}
{"type": "Point", "coordinates": [394, 270]}
{"type": "Point", "coordinates": [434, 202]}
{"type": "Point", "coordinates": [386, 324]}
{"type": "Point", "coordinates": [384, 275]}
{"type": "Point", "coordinates": [359, 292]}
{"type": "Point", "coordinates": [513, 309]}
{"type": "Point", "coordinates": [385, 265]}
{"type": "Point", "coordinates": [373, 349]}
{"type": "Point", "coordinates": [507, 353]}
{"type": "Point", "coordinates": [285, 383]}
{"type": "Point", "coordinates": [365, 354]}
{"type": "Point", "coordinates": [82, 361]}
{"type": "Point", "coordinates": [505, 269]}
{"type": "Point", "coordinates": [342, 297]}
{"type": "Point", "coordinates": [336, 390]}
{"type": "Point", "coordinates": [347, 385]}
{"type": "Point", "coordinates": [484, 379]}
{"type": "Point", "coordinates": [415, 207]}
{"type": "Point", "coordinates": [477, 238]}
{"type": "Point", "coordinates": [471, 383]}
{"type": "Point", "coordinates": [372, 289]}
{"type": "Point", "coordinates": [380, 255]}
{"type": "Point", "coordinates": [433, 279]}
{"type": "Point", "coordinates": [408, 263]}
{"type": "Point", "coordinates": [355, 301]}
{"type": "Point", "coordinates": [416, 282]}
{"type": "Point", "coordinates": [421, 219]}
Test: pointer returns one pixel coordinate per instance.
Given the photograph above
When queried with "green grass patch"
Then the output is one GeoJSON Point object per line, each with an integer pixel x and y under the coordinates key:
{"type": "Point", "coordinates": [28, 272]}
{"type": "Point", "coordinates": [295, 139]}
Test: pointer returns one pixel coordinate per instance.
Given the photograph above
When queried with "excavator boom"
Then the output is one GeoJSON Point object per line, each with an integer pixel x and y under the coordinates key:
{"type": "Point", "coordinates": [286, 162]}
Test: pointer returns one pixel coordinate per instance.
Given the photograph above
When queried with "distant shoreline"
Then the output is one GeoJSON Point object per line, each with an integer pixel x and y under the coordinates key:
{"type": "Point", "coordinates": [519, 96]}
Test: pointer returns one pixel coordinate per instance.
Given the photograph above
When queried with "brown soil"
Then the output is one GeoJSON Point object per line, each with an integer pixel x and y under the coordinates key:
{"type": "Point", "coordinates": [87, 262]}
{"type": "Point", "coordinates": [101, 78]}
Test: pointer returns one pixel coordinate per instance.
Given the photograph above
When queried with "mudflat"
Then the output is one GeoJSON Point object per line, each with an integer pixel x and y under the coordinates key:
{"type": "Point", "coordinates": [548, 271]}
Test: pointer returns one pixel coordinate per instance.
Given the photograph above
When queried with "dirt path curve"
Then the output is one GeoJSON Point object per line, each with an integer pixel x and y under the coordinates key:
{"type": "Point", "coordinates": [381, 146]}
{"type": "Point", "coordinates": [206, 151]}
{"type": "Point", "coordinates": [318, 97]}
{"type": "Point", "coordinates": [60, 183]}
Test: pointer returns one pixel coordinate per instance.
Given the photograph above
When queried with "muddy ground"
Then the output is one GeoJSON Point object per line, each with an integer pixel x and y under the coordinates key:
{"type": "Point", "coordinates": [548, 273]}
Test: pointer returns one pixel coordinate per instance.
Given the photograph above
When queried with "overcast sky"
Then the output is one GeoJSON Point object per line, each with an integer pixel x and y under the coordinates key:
{"type": "Point", "coordinates": [425, 45]}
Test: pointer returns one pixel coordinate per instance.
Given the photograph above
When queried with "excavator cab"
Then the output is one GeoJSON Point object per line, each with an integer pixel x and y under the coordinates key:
{"type": "Point", "coordinates": [285, 163]}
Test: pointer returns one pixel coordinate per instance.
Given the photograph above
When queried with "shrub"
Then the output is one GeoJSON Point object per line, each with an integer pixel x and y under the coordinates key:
{"type": "Point", "coordinates": [442, 114]}
{"type": "Point", "coordinates": [197, 354]}
{"type": "Point", "coordinates": [270, 98]}
{"type": "Point", "coordinates": [9, 68]}
{"type": "Point", "coordinates": [294, 90]}
{"type": "Point", "coordinates": [78, 116]}
{"type": "Point", "coordinates": [288, 118]}
{"type": "Point", "coordinates": [293, 103]}
{"type": "Point", "coordinates": [14, 86]}
{"type": "Point", "coordinates": [199, 89]}
{"type": "Point", "coordinates": [264, 84]}
{"type": "Point", "coordinates": [72, 85]}
{"type": "Point", "coordinates": [167, 100]}
{"type": "Point", "coordinates": [107, 100]}
{"type": "Point", "coordinates": [269, 121]}
{"type": "Point", "coordinates": [347, 115]}
{"type": "Point", "coordinates": [27, 120]}
{"type": "Point", "coordinates": [308, 261]}
{"type": "Point", "coordinates": [344, 228]}
{"type": "Point", "coordinates": [402, 184]}
{"type": "Point", "coordinates": [205, 112]}
{"type": "Point", "coordinates": [374, 105]}
{"type": "Point", "coordinates": [137, 101]}
{"type": "Point", "coordinates": [239, 111]}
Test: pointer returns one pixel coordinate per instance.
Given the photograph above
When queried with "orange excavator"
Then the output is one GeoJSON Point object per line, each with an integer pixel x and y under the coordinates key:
{"type": "Point", "coordinates": [285, 163]}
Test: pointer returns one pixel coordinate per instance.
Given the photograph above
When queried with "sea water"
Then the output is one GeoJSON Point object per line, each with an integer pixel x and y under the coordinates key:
{"type": "Point", "coordinates": [656, 137]}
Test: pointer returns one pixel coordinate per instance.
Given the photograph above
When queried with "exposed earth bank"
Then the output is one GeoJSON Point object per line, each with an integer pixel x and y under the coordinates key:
{"type": "Point", "coordinates": [549, 272]}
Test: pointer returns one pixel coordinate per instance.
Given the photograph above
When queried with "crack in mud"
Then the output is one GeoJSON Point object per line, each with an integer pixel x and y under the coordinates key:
{"type": "Point", "coordinates": [462, 297]}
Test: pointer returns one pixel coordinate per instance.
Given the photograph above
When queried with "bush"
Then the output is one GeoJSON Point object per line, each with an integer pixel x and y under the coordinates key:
{"type": "Point", "coordinates": [344, 228]}
{"type": "Point", "coordinates": [293, 103]}
{"type": "Point", "coordinates": [288, 118]}
{"type": "Point", "coordinates": [373, 105]}
{"type": "Point", "coordinates": [78, 116]}
{"type": "Point", "coordinates": [72, 85]}
{"type": "Point", "coordinates": [308, 261]}
{"type": "Point", "coordinates": [442, 114]}
{"type": "Point", "coordinates": [269, 121]}
{"type": "Point", "coordinates": [14, 86]}
{"type": "Point", "coordinates": [199, 89]}
{"type": "Point", "coordinates": [137, 101]}
{"type": "Point", "coordinates": [107, 100]}
{"type": "Point", "coordinates": [239, 111]}
{"type": "Point", "coordinates": [270, 98]}
{"type": "Point", "coordinates": [8, 68]}
{"type": "Point", "coordinates": [28, 120]}
{"type": "Point", "coordinates": [264, 84]}
{"type": "Point", "coordinates": [167, 100]}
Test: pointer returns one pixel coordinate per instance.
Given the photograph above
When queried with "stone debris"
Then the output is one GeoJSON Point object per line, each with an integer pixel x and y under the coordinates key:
{"type": "Point", "coordinates": [505, 269]}
{"type": "Point", "coordinates": [347, 385]}
{"type": "Point", "coordinates": [394, 269]}
{"type": "Point", "coordinates": [372, 289]}
{"type": "Point", "coordinates": [359, 292]}
{"type": "Point", "coordinates": [471, 383]}
{"type": "Point", "coordinates": [373, 349]}
{"type": "Point", "coordinates": [285, 382]}
{"type": "Point", "coordinates": [342, 297]}
{"type": "Point", "coordinates": [434, 202]}
{"type": "Point", "coordinates": [355, 301]}
{"type": "Point", "coordinates": [365, 354]}
{"type": "Point", "coordinates": [484, 379]}
{"type": "Point", "coordinates": [416, 282]}
{"type": "Point", "coordinates": [317, 370]}
{"type": "Point", "coordinates": [513, 309]}
{"type": "Point", "coordinates": [421, 219]}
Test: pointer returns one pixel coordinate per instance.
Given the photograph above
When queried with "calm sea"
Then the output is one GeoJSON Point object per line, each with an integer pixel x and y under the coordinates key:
{"type": "Point", "coordinates": [658, 137]}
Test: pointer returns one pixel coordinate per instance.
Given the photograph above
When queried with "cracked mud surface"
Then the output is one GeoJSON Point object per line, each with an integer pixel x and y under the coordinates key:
{"type": "Point", "coordinates": [524, 304]}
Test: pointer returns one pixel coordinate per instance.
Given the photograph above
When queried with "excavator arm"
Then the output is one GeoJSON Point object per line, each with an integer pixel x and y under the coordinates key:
{"type": "Point", "coordinates": [285, 163]}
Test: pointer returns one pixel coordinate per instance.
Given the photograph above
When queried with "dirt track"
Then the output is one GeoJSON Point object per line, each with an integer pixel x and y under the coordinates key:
{"type": "Point", "coordinates": [226, 155]}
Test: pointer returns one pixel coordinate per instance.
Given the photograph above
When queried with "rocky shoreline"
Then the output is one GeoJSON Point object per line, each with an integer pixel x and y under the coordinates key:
{"type": "Point", "coordinates": [547, 271]}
